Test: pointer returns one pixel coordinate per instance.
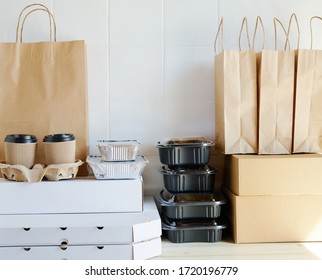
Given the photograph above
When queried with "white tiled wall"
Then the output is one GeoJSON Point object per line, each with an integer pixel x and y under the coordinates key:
{"type": "Point", "coordinates": [150, 62]}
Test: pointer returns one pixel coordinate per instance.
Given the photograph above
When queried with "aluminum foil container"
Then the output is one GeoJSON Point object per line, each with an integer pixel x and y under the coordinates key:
{"type": "Point", "coordinates": [116, 169]}
{"type": "Point", "coordinates": [118, 150]}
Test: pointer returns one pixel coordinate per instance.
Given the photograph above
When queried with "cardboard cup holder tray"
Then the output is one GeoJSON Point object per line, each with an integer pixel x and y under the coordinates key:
{"type": "Point", "coordinates": [38, 172]}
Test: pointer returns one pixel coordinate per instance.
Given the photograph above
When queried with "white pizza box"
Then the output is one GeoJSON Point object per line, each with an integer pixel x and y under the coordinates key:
{"type": "Point", "coordinates": [134, 251]}
{"type": "Point", "coordinates": [81, 229]}
{"type": "Point", "coordinates": [80, 195]}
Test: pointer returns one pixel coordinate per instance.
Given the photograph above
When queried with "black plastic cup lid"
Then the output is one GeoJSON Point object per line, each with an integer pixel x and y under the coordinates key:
{"type": "Point", "coordinates": [63, 137]}
{"type": "Point", "coordinates": [20, 138]}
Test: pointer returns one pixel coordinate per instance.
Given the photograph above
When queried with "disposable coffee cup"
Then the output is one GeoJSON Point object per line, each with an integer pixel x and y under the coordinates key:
{"type": "Point", "coordinates": [59, 148]}
{"type": "Point", "coordinates": [20, 149]}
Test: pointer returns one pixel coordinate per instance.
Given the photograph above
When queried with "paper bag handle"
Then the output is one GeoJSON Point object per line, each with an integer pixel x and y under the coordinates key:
{"type": "Point", "coordinates": [220, 28]}
{"type": "Point", "coordinates": [244, 23]}
{"type": "Point", "coordinates": [51, 18]}
{"type": "Point", "coordinates": [314, 17]}
{"type": "Point", "coordinates": [259, 20]}
{"type": "Point", "coordinates": [286, 34]}
{"type": "Point", "coordinates": [20, 16]}
{"type": "Point", "coordinates": [289, 28]}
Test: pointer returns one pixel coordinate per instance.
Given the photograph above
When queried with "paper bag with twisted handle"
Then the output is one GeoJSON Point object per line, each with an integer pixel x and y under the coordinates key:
{"type": "Point", "coordinates": [307, 137]}
{"type": "Point", "coordinates": [276, 74]}
{"type": "Point", "coordinates": [43, 88]}
{"type": "Point", "coordinates": [235, 99]}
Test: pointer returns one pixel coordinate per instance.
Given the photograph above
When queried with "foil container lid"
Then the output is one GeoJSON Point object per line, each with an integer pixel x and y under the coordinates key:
{"type": "Point", "coordinates": [201, 170]}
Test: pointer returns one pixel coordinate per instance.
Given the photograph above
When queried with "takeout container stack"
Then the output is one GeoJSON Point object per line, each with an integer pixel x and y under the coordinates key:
{"type": "Point", "coordinates": [190, 208]}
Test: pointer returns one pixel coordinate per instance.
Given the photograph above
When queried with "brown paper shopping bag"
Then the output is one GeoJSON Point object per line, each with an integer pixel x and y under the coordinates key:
{"type": "Point", "coordinates": [235, 99]}
{"type": "Point", "coordinates": [307, 136]}
{"type": "Point", "coordinates": [276, 73]}
{"type": "Point", "coordinates": [43, 89]}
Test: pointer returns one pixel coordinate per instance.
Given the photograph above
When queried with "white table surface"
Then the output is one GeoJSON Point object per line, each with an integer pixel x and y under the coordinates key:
{"type": "Point", "coordinates": [227, 250]}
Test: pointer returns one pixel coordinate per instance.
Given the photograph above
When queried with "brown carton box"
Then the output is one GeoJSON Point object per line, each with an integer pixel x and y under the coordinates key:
{"type": "Point", "coordinates": [274, 174]}
{"type": "Point", "coordinates": [275, 218]}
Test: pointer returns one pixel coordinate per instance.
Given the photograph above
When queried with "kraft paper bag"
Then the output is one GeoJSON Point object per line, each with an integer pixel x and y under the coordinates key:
{"type": "Point", "coordinates": [307, 136]}
{"type": "Point", "coordinates": [235, 99]}
{"type": "Point", "coordinates": [276, 74]}
{"type": "Point", "coordinates": [43, 89]}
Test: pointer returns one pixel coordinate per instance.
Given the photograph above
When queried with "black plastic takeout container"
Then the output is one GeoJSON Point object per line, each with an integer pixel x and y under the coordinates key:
{"type": "Point", "coordinates": [178, 180]}
{"type": "Point", "coordinates": [189, 206]}
{"type": "Point", "coordinates": [184, 151]}
{"type": "Point", "coordinates": [192, 230]}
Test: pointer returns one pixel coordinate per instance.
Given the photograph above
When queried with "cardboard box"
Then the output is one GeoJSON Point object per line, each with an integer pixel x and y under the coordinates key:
{"type": "Point", "coordinates": [274, 174]}
{"type": "Point", "coordinates": [133, 235]}
{"type": "Point", "coordinates": [81, 195]}
{"type": "Point", "coordinates": [135, 251]}
{"type": "Point", "coordinates": [275, 218]}
{"type": "Point", "coordinates": [81, 229]}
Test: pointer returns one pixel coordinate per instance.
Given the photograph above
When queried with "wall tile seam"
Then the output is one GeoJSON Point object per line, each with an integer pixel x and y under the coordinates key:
{"type": "Point", "coordinates": [108, 66]}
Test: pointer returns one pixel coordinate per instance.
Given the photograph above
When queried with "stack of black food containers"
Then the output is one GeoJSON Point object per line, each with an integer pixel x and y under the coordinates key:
{"type": "Point", "coordinates": [189, 205]}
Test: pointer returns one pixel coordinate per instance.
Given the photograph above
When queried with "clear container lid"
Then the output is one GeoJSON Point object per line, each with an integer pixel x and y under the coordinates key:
{"type": "Point", "coordinates": [187, 141]}
{"type": "Point", "coordinates": [200, 170]}
{"type": "Point", "coordinates": [192, 224]}
{"type": "Point", "coordinates": [191, 197]}
{"type": "Point", "coordinates": [166, 198]}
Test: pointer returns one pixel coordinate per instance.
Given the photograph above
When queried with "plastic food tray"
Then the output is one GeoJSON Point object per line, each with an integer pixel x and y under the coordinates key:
{"type": "Point", "coordinates": [117, 169]}
{"type": "Point", "coordinates": [184, 151]}
{"type": "Point", "coordinates": [180, 180]}
{"type": "Point", "coordinates": [53, 172]}
{"type": "Point", "coordinates": [192, 231]}
{"type": "Point", "coordinates": [114, 150]}
{"type": "Point", "coordinates": [189, 206]}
